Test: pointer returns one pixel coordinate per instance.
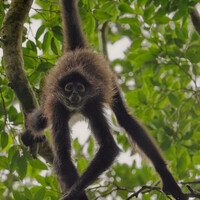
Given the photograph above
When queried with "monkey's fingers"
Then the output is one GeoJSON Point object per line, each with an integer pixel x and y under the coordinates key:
{"type": "Point", "coordinates": [40, 139]}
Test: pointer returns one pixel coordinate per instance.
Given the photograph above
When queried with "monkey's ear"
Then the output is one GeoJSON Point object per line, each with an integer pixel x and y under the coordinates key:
{"type": "Point", "coordinates": [27, 138]}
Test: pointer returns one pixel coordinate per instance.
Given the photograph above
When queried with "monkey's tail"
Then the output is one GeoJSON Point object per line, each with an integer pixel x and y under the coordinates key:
{"type": "Point", "coordinates": [74, 38]}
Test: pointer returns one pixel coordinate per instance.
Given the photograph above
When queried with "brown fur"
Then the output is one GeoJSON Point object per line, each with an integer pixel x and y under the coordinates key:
{"type": "Point", "coordinates": [93, 70]}
{"type": "Point", "coordinates": [94, 67]}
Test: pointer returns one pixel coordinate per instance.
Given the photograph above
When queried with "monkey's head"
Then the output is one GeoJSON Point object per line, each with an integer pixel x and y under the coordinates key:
{"type": "Point", "coordinates": [77, 78]}
{"type": "Point", "coordinates": [75, 91]}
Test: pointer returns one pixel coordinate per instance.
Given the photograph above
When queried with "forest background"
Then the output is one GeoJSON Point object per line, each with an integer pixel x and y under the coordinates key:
{"type": "Point", "coordinates": [158, 70]}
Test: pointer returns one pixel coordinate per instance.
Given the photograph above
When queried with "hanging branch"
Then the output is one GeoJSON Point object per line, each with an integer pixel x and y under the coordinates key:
{"type": "Point", "coordinates": [11, 38]}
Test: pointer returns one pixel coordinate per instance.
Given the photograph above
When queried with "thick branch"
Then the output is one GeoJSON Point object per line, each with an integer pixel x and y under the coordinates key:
{"type": "Point", "coordinates": [11, 37]}
{"type": "Point", "coordinates": [11, 34]}
{"type": "Point", "coordinates": [195, 16]}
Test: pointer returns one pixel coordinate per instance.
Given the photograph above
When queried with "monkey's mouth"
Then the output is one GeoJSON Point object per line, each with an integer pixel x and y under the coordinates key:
{"type": "Point", "coordinates": [75, 100]}
{"type": "Point", "coordinates": [75, 104]}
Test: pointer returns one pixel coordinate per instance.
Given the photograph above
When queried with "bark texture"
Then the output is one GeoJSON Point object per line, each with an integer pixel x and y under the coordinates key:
{"type": "Point", "coordinates": [11, 38]}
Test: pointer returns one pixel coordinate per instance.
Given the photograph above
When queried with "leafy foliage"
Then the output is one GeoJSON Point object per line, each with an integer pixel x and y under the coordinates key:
{"type": "Point", "coordinates": [160, 79]}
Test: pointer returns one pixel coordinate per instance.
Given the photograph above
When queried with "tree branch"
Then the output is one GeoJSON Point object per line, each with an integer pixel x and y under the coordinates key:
{"type": "Point", "coordinates": [102, 38]}
{"type": "Point", "coordinates": [11, 35]}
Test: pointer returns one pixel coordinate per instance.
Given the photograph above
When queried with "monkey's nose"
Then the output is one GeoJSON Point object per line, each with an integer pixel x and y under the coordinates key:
{"type": "Point", "coordinates": [75, 99]}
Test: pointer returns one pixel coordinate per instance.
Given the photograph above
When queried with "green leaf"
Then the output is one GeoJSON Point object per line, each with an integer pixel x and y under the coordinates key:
{"type": "Point", "coordinates": [58, 33]}
{"type": "Point", "coordinates": [177, 15]}
{"type": "Point", "coordinates": [3, 162]}
{"type": "Point", "coordinates": [160, 14]}
{"type": "Point", "coordinates": [53, 46]}
{"type": "Point", "coordinates": [149, 11]}
{"type": "Point", "coordinates": [183, 161]}
{"type": "Point", "coordinates": [31, 45]}
{"type": "Point", "coordinates": [173, 100]}
{"type": "Point", "coordinates": [77, 146]}
{"type": "Point", "coordinates": [193, 52]}
{"type": "Point", "coordinates": [13, 163]}
{"type": "Point", "coordinates": [188, 135]}
{"type": "Point", "coordinates": [4, 139]}
{"type": "Point", "coordinates": [196, 159]}
{"type": "Point", "coordinates": [41, 180]}
{"type": "Point", "coordinates": [178, 42]}
{"type": "Point", "coordinates": [128, 20]}
{"type": "Point", "coordinates": [13, 114]}
{"type": "Point", "coordinates": [29, 62]}
{"type": "Point", "coordinates": [101, 15]}
{"type": "Point", "coordinates": [142, 97]}
{"type": "Point", "coordinates": [141, 58]}
{"type": "Point", "coordinates": [40, 194]}
{"type": "Point", "coordinates": [125, 8]}
{"type": "Point", "coordinates": [91, 25]}
{"type": "Point", "coordinates": [107, 5]}
{"type": "Point", "coordinates": [132, 98]}
{"type": "Point", "coordinates": [11, 152]}
{"type": "Point", "coordinates": [21, 167]}
{"type": "Point", "coordinates": [91, 147]}
{"type": "Point", "coordinates": [27, 193]}
{"type": "Point", "coordinates": [141, 2]}
{"type": "Point", "coordinates": [166, 143]}
{"type": "Point", "coordinates": [180, 34]}
{"type": "Point", "coordinates": [40, 31]}
{"type": "Point", "coordinates": [18, 196]}
{"type": "Point", "coordinates": [44, 66]}
{"type": "Point", "coordinates": [38, 164]}
{"type": "Point", "coordinates": [46, 42]}
{"type": "Point", "coordinates": [82, 164]}
{"type": "Point", "coordinates": [26, 154]}
{"type": "Point", "coordinates": [169, 131]}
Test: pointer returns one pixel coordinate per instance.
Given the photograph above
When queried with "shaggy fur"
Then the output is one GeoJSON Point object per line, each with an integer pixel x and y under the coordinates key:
{"type": "Point", "coordinates": [81, 64]}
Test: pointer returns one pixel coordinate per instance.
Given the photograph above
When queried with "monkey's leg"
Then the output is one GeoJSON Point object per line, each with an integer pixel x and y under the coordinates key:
{"type": "Point", "coordinates": [105, 156]}
{"type": "Point", "coordinates": [147, 145]}
{"type": "Point", "coordinates": [64, 167]}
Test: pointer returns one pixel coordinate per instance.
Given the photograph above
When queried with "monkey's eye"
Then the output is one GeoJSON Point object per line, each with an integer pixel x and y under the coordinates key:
{"type": "Point", "coordinates": [69, 87]}
{"type": "Point", "coordinates": [80, 87]}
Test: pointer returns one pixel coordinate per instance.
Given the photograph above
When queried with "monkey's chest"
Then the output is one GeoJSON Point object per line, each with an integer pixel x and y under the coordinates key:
{"type": "Point", "coordinates": [76, 118]}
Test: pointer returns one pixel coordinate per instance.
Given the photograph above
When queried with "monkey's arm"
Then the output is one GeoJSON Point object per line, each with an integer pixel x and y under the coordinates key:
{"type": "Point", "coordinates": [36, 123]}
{"type": "Point", "coordinates": [105, 156]}
{"type": "Point", "coordinates": [63, 165]}
{"type": "Point", "coordinates": [72, 28]}
{"type": "Point", "coordinates": [147, 145]}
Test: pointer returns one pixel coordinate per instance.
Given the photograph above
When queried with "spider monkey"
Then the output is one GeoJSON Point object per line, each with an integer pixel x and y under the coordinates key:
{"type": "Point", "coordinates": [82, 82]}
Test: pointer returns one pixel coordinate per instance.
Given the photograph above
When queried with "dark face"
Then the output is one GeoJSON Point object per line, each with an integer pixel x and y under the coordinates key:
{"type": "Point", "coordinates": [74, 93]}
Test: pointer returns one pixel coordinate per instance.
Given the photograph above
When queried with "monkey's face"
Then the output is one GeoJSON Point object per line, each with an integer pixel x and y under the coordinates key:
{"type": "Point", "coordinates": [74, 93]}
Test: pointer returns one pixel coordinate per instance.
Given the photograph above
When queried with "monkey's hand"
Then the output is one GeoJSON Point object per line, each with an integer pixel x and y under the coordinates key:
{"type": "Point", "coordinates": [28, 139]}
